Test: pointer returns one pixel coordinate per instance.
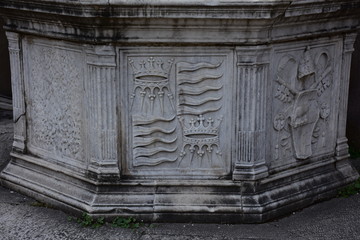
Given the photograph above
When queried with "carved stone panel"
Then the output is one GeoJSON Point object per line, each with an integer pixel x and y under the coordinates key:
{"type": "Point", "coordinates": [54, 82]}
{"type": "Point", "coordinates": [179, 112]}
{"type": "Point", "coordinates": [304, 93]}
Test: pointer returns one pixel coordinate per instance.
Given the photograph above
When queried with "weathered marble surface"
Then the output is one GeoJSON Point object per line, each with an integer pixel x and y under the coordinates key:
{"type": "Point", "coordinates": [210, 111]}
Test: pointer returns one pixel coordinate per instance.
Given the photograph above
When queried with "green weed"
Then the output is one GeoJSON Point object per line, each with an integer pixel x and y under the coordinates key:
{"type": "Point", "coordinates": [40, 204]}
{"type": "Point", "coordinates": [87, 221]}
{"type": "Point", "coordinates": [123, 222]}
{"type": "Point", "coordinates": [350, 190]}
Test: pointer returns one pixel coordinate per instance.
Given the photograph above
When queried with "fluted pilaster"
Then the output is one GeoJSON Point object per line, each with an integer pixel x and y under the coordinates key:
{"type": "Point", "coordinates": [252, 71]}
{"type": "Point", "coordinates": [17, 84]}
{"type": "Point", "coordinates": [101, 112]}
{"type": "Point", "coordinates": [341, 143]}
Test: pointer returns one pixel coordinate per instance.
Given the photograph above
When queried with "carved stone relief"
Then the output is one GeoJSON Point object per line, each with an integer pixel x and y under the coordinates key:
{"type": "Point", "coordinates": [177, 106]}
{"type": "Point", "coordinates": [153, 113]}
{"type": "Point", "coordinates": [55, 120]}
{"type": "Point", "coordinates": [303, 103]}
{"type": "Point", "coordinates": [200, 93]}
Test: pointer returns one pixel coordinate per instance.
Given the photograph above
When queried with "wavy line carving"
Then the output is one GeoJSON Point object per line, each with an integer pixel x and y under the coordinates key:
{"type": "Point", "coordinates": [192, 79]}
{"type": "Point", "coordinates": [194, 111]}
{"type": "Point", "coordinates": [199, 91]}
{"type": "Point", "coordinates": [139, 120]}
{"type": "Point", "coordinates": [153, 113]}
{"type": "Point", "coordinates": [189, 90]}
{"type": "Point", "coordinates": [144, 152]}
{"type": "Point", "coordinates": [198, 101]}
{"type": "Point", "coordinates": [191, 67]}
{"type": "Point", "coordinates": [145, 161]}
{"type": "Point", "coordinates": [143, 131]}
{"type": "Point", "coordinates": [199, 87]}
{"type": "Point", "coordinates": [142, 142]}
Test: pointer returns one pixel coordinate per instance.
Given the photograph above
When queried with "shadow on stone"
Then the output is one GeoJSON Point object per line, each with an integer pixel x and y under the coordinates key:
{"type": "Point", "coordinates": [6, 137]}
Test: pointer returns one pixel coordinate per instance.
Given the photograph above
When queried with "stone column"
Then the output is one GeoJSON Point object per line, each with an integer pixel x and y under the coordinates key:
{"type": "Point", "coordinates": [101, 137]}
{"type": "Point", "coordinates": [252, 74]}
{"type": "Point", "coordinates": [17, 84]}
{"type": "Point", "coordinates": [341, 142]}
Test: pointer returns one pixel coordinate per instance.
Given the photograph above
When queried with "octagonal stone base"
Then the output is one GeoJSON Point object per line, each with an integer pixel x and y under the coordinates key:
{"type": "Point", "coordinates": [180, 111]}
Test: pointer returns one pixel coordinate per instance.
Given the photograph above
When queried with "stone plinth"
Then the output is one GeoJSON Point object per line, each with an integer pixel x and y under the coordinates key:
{"type": "Point", "coordinates": [202, 111]}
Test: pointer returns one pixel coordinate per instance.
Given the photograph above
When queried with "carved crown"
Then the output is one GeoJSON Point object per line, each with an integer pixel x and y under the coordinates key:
{"type": "Point", "coordinates": [201, 126]}
{"type": "Point", "coordinates": [151, 69]}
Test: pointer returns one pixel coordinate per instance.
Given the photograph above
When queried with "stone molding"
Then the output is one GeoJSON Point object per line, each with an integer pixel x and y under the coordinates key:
{"type": "Point", "coordinates": [221, 22]}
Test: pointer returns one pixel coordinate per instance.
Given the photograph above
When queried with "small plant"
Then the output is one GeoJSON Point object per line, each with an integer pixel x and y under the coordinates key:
{"type": "Point", "coordinates": [40, 204]}
{"type": "Point", "coordinates": [350, 190]}
{"type": "Point", "coordinates": [123, 222]}
{"type": "Point", "coordinates": [87, 221]}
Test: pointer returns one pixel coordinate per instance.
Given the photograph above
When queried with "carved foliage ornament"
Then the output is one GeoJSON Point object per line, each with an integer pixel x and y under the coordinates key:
{"type": "Point", "coordinates": [56, 120]}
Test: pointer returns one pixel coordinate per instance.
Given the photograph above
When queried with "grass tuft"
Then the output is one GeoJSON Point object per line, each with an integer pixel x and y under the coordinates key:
{"type": "Point", "coordinates": [350, 190]}
{"type": "Point", "coordinates": [87, 221]}
{"type": "Point", "coordinates": [123, 222]}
